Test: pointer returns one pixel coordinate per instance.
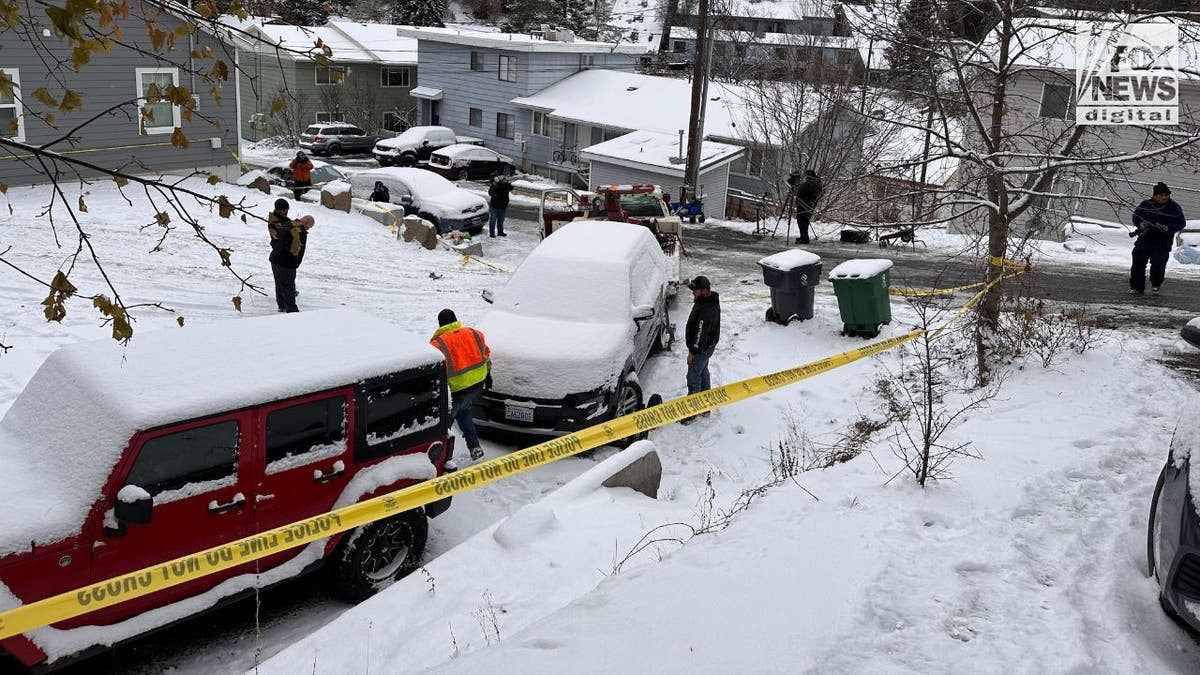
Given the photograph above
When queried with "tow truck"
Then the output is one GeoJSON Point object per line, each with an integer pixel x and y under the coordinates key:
{"type": "Point", "coordinates": [642, 204]}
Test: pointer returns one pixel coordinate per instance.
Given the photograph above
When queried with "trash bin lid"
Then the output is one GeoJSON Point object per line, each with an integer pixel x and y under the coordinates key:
{"type": "Point", "coordinates": [788, 260]}
{"type": "Point", "coordinates": [861, 268]}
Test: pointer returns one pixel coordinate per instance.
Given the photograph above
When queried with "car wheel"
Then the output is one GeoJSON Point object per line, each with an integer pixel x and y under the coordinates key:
{"type": "Point", "coordinates": [335, 149]}
{"type": "Point", "coordinates": [629, 400]}
{"type": "Point", "coordinates": [1154, 528]}
{"type": "Point", "coordinates": [433, 220]}
{"type": "Point", "coordinates": [508, 170]}
{"type": "Point", "coordinates": [663, 341]}
{"type": "Point", "coordinates": [408, 160]}
{"type": "Point", "coordinates": [463, 174]}
{"type": "Point", "coordinates": [375, 555]}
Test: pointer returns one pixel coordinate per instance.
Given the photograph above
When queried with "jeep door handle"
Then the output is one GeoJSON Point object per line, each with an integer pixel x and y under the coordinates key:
{"type": "Point", "coordinates": [238, 501]}
{"type": "Point", "coordinates": [322, 477]}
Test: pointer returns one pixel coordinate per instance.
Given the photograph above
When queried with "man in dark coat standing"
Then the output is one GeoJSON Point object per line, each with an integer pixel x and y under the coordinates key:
{"type": "Point", "coordinates": [701, 336]}
{"type": "Point", "coordinates": [1156, 221]}
{"type": "Point", "coordinates": [289, 239]}
{"type": "Point", "coordinates": [807, 193]}
{"type": "Point", "coordinates": [498, 193]}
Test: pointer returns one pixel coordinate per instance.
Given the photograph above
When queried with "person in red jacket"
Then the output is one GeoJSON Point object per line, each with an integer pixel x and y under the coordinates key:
{"type": "Point", "coordinates": [302, 168]}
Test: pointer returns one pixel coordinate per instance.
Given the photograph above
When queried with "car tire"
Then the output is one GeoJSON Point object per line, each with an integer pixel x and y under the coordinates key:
{"type": "Point", "coordinates": [1152, 527]}
{"type": "Point", "coordinates": [463, 174]}
{"type": "Point", "coordinates": [508, 169]}
{"type": "Point", "coordinates": [629, 400]}
{"type": "Point", "coordinates": [374, 556]}
{"type": "Point", "coordinates": [408, 160]}
{"type": "Point", "coordinates": [433, 220]}
{"type": "Point", "coordinates": [383, 162]}
{"type": "Point", "coordinates": [663, 341]}
{"type": "Point", "coordinates": [335, 149]}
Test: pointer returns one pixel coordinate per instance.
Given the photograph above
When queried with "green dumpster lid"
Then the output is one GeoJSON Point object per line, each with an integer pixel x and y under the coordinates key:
{"type": "Point", "coordinates": [861, 268]}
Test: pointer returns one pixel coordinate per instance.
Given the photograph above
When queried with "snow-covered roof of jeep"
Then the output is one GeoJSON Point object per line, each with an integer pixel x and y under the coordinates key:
{"type": "Point", "coordinates": [62, 436]}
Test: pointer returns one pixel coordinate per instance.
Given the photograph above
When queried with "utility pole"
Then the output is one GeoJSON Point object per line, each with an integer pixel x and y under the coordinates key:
{"type": "Point", "coordinates": [696, 120]}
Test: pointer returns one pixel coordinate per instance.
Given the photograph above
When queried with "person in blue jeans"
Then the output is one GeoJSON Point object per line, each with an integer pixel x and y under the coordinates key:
{"type": "Point", "coordinates": [701, 336]}
{"type": "Point", "coordinates": [498, 205]}
{"type": "Point", "coordinates": [468, 372]}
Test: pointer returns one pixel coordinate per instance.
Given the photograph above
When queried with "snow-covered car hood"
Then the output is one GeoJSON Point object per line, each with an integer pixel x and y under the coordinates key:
{"type": "Point", "coordinates": [549, 358]}
{"type": "Point", "coordinates": [452, 203]}
{"type": "Point", "coordinates": [40, 508]}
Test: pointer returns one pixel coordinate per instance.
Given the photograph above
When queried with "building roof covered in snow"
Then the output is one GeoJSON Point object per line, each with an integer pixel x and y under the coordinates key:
{"type": "Point", "coordinates": [552, 41]}
{"type": "Point", "coordinates": [348, 41]}
{"type": "Point", "coordinates": [659, 151]}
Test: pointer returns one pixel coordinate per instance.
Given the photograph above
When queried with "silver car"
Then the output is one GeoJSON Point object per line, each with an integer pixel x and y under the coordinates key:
{"type": "Point", "coordinates": [336, 138]}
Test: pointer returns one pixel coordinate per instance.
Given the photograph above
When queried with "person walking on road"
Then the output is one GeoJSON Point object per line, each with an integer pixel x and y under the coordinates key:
{"type": "Point", "coordinates": [701, 336]}
{"type": "Point", "coordinates": [1156, 220]}
{"type": "Point", "coordinates": [808, 192]}
{"type": "Point", "coordinates": [289, 240]}
{"type": "Point", "coordinates": [302, 168]}
{"type": "Point", "coordinates": [498, 202]}
{"type": "Point", "coordinates": [468, 370]}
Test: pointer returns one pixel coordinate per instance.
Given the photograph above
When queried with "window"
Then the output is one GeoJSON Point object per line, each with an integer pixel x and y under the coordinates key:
{"type": "Point", "coordinates": [749, 163]}
{"type": "Point", "coordinates": [305, 433]}
{"type": "Point", "coordinates": [160, 117]}
{"type": "Point", "coordinates": [680, 46]}
{"type": "Point", "coordinates": [587, 61]}
{"type": "Point", "coordinates": [504, 125]}
{"type": "Point", "coordinates": [393, 77]}
{"type": "Point", "coordinates": [330, 75]}
{"type": "Point", "coordinates": [475, 117]}
{"type": "Point", "coordinates": [197, 455]}
{"type": "Point", "coordinates": [544, 126]}
{"type": "Point", "coordinates": [12, 122]}
{"type": "Point", "coordinates": [394, 121]}
{"type": "Point", "coordinates": [1057, 100]}
{"type": "Point", "coordinates": [401, 414]}
{"type": "Point", "coordinates": [477, 61]}
{"type": "Point", "coordinates": [508, 68]}
{"type": "Point", "coordinates": [323, 117]}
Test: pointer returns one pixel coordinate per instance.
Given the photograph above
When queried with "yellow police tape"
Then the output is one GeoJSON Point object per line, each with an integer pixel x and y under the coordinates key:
{"type": "Point", "coordinates": [170, 573]}
{"type": "Point", "coordinates": [209, 561]}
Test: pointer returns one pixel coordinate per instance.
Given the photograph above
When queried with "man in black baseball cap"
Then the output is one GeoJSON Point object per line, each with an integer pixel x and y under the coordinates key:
{"type": "Point", "coordinates": [1156, 221]}
{"type": "Point", "coordinates": [701, 335]}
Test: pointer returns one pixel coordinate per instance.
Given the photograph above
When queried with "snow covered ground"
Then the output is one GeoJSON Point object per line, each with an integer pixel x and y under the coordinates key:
{"type": "Point", "coordinates": [1030, 560]}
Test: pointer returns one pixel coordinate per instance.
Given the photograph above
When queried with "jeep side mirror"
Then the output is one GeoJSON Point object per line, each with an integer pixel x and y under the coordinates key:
{"type": "Point", "coordinates": [134, 506]}
{"type": "Point", "coordinates": [643, 312]}
{"type": "Point", "coordinates": [406, 199]}
{"type": "Point", "coordinates": [488, 297]}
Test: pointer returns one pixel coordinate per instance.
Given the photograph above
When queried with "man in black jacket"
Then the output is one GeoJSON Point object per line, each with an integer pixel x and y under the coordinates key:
{"type": "Point", "coordinates": [498, 193]}
{"type": "Point", "coordinates": [289, 238]}
{"type": "Point", "coordinates": [701, 335]}
{"type": "Point", "coordinates": [1157, 220]}
{"type": "Point", "coordinates": [807, 194]}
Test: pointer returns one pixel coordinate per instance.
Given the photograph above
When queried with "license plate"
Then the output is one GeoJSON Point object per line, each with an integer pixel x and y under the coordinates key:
{"type": "Point", "coordinates": [517, 413]}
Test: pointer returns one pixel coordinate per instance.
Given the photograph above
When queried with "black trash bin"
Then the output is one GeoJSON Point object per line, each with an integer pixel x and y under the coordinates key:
{"type": "Point", "coordinates": [792, 276]}
{"type": "Point", "coordinates": [1191, 332]}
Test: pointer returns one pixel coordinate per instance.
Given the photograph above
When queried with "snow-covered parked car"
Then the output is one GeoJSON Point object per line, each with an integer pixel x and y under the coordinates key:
{"type": "Point", "coordinates": [463, 161]}
{"type": "Point", "coordinates": [1173, 532]}
{"type": "Point", "coordinates": [415, 144]}
{"type": "Point", "coordinates": [427, 195]}
{"type": "Point", "coordinates": [322, 173]}
{"type": "Point", "coordinates": [119, 458]}
{"type": "Point", "coordinates": [572, 328]}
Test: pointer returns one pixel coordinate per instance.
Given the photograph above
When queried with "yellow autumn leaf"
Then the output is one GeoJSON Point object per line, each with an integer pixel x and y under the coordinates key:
{"type": "Point", "coordinates": [179, 320]}
{"type": "Point", "coordinates": [226, 261]}
{"type": "Point", "coordinates": [225, 209]}
{"type": "Point", "coordinates": [121, 181]}
{"type": "Point", "coordinates": [214, 179]}
{"type": "Point", "coordinates": [178, 139]}
{"type": "Point", "coordinates": [42, 95]}
{"type": "Point", "coordinates": [237, 302]}
{"type": "Point", "coordinates": [82, 206]}
{"type": "Point", "coordinates": [71, 101]}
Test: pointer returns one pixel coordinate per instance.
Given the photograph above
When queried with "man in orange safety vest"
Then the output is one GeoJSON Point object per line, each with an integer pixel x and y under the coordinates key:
{"type": "Point", "coordinates": [468, 370]}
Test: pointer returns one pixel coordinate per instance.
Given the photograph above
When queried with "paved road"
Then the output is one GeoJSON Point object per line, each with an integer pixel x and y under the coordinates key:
{"type": "Point", "coordinates": [1104, 290]}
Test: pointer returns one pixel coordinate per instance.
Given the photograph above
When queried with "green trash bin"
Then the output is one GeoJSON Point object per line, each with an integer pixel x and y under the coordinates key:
{"type": "Point", "coordinates": [861, 287]}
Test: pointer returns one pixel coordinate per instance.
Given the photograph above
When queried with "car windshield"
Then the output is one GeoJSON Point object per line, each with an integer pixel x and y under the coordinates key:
{"type": "Point", "coordinates": [413, 135]}
{"type": "Point", "coordinates": [568, 289]}
{"type": "Point", "coordinates": [641, 205]}
{"type": "Point", "coordinates": [312, 131]}
{"type": "Point", "coordinates": [324, 174]}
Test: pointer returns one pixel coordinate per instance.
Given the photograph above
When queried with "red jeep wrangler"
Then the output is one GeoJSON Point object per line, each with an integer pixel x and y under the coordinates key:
{"type": "Point", "coordinates": [116, 459]}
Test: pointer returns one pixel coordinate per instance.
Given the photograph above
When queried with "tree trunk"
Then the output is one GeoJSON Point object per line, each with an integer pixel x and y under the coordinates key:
{"type": "Point", "coordinates": [989, 307]}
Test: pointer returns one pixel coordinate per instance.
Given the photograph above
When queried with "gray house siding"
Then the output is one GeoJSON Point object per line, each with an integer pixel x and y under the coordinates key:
{"type": "Point", "coordinates": [114, 140]}
{"type": "Point", "coordinates": [265, 77]}
{"type": "Point", "coordinates": [447, 67]}
{"type": "Point", "coordinates": [1104, 193]}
